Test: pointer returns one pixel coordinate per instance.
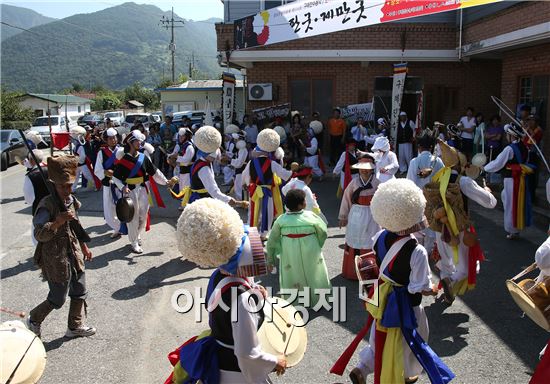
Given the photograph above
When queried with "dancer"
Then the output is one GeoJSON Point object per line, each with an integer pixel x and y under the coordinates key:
{"type": "Point", "coordinates": [398, 351]}
{"type": "Point", "coordinates": [386, 161]}
{"type": "Point", "coordinates": [405, 138]}
{"type": "Point", "coordinates": [263, 177]}
{"type": "Point", "coordinates": [61, 251]}
{"type": "Point", "coordinates": [184, 151]}
{"type": "Point", "coordinates": [103, 170]}
{"type": "Point", "coordinates": [295, 242]}
{"type": "Point", "coordinates": [83, 150]}
{"type": "Point", "coordinates": [356, 216]}
{"type": "Point", "coordinates": [229, 352]}
{"type": "Point", "coordinates": [514, 164]}
{"type": "Point", "coordinates": [344, 166]}
{"type": "Point", "coordinates": [424, 166]}
{"type": "Point", "coordinates": [312, 153]}
{"type": "Point", "coordinates": [455, 237]}
{"type": "Point", "coordinates": [131, 172]}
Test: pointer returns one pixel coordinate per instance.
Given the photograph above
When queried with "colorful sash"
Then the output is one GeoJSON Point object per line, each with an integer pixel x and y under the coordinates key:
{"type": "Point", "coordinates": [443, 176]}
{"type": "Point", "coordinates": [135, 177]}
{"type": "Point", "coordinates": [260, 192]}
{"type": "Point", "coordinates": [111, 159]}
{"type": "Point", "coordinates": [521, 198]}
{"type": "Point", "coordinates": [188, 195]}
{"type": "Point", "coordinates": [395, 319]}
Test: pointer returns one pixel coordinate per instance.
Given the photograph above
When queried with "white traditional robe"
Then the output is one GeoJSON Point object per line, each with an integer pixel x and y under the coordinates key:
{"type": "Point", "coordinates": [237, 163]}
{"type": "Point", "coordinates": [386, 160]}
{"type": "Point", "coordinates": [312, 160]}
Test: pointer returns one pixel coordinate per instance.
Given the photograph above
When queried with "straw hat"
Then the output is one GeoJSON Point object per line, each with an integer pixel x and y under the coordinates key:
{"type": "Point", "coordinates": [62, 169]}
{"type": "Point", "coordinates": [449, 155]}
{"type": "Point", "coordinates": [364, 163]}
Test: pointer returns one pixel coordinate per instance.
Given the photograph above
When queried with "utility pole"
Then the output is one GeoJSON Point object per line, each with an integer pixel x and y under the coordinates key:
{"type": "Point", "coordinates": [169, 23]}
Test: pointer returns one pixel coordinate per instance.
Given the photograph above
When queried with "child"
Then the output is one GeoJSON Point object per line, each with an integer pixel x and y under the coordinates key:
{"type": "Point", "coordinates": [355, 215]}
{"type": "Point", "coordinates": [301, 180]}
{"type": "Point", "coordinates": [297, 238]}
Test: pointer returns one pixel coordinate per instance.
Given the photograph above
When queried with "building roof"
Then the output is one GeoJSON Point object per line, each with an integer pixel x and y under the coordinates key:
{"type": "Point", "coordinates": [135, 103]}
{"type": "Point", "coordinates": [199, 85]}
{"type": "Point", "coordinates": [60, 99]}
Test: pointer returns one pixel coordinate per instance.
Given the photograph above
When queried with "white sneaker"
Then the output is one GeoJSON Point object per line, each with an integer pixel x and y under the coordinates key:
{"type": "Point", "coordinates": [140, 242]}
{"type": "Point", "coordinates": [136, 248]}
{"type": "Point", "coordinates": [82, 331]}
{"type": "Point", "coordinates": [33, 327]}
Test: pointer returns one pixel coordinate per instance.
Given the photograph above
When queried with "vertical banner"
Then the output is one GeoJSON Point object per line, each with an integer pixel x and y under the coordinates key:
{"type": "Point", "coordinates": [419, 110]}
{"type": "Point", "coordinates": [399, 75]}
{"type": "Point", "coordinates": [228, 98]}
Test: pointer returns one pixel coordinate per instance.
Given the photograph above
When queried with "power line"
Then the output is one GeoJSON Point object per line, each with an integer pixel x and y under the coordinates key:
{"type": "Point", "coordinates": [169, 23]}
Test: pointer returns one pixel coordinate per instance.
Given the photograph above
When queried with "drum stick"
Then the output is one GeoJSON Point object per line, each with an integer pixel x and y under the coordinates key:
{"type": "Point", "coordinates": [15, 313]}
{"type": "Point", "coordinates": [277, 312]}
{"type": "Point", "coordinates": [530, 268]}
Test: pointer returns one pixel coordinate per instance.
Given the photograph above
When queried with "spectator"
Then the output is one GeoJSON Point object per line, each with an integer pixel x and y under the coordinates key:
{"type": "Point", "coordinates": [336, 129]}
{"type": "Point", "coordinates": [467, 129]}
{"type": "Point", "coordinates": [405, 137]}
{"type": "Point", "coordinates": [359, 133]}
{"type": "Point", "coordinates": [535, 131]}
{"type": "Point", "coordinates": [479, 135]}
{"type": "Point", "coordinates": [524, 113]}
{"type": "Point", "coordinates": [251, 131]}
{"type": "Point", "coordinates": [297, 133]}
{"type": "Point", "coordinates": [155, 140]}
{"type": "Point", "coordinates": [319, 136]}
{"type": "Point", "coordinates": [168, 126]}
{"type": "Point", "coordinates": [493, 137]}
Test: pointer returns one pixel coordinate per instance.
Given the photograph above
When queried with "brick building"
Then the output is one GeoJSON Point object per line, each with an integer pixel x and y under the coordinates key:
{"type": "Point", "coordinates": [458, 59]}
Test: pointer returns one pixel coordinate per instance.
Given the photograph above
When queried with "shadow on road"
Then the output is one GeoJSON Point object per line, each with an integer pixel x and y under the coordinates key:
{"type": "Point", "coordinates": [155, 278]}
{"type": "Point", "coordinates": [11, 200]}
{"type": "Point", "coordinates": [28, 265]}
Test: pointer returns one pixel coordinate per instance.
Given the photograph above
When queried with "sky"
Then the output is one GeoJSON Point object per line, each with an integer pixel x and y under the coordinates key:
{"type": "Point", "coordinates": [188, 9]}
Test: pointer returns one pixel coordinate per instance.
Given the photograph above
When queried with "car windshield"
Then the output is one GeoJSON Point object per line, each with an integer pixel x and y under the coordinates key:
{"type": "Point", "coordinates": [90, 118]}
{"type": "Point", "coordinates": [42, 121]}
{"type": "Point", "coordinates": [112, 114]}
{"type": "Point", "coordinates": [5, 136]}
{"type": "Point", "coordinates": [132, 118]}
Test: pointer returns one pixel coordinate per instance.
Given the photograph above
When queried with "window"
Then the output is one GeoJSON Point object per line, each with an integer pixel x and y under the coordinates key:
{"type": "Point", "coordinates": [534, 91]}
{"type": "Point", "coordinates": [310, 95]}
{"type": "Point", "coordinates": [268, 4]}
{"type": "Point", "coordinates": [79, 109]}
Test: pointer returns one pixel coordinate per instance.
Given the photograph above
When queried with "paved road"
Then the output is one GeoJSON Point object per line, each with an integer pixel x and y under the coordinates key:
{"type": "Point", "coordinates": [482, 337]}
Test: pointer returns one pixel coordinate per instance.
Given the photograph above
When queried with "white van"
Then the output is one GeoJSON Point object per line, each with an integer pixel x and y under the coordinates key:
{"type": "Point", "coordinates": [58, 122]}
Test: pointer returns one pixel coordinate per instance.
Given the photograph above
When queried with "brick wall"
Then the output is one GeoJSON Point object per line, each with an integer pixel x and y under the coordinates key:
{"type": "Point", "coordinates": [476, 81]}
{"type": "Point", "coordinates": [525, 62]}
{"type": "Point", "coordinates": [386, 36]}
{"type": "Point", "coordinates": [516, 17]}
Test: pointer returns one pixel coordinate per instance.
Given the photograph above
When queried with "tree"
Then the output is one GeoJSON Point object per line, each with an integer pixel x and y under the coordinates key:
{"type": "Point", "coordinates": [106, 101]}
{"type": "Point", "coordinates": [12, 110]}
{"type": "Point", "coordinates": [77, 87]}
{"type": "Point", "coordinates": [147, 97]}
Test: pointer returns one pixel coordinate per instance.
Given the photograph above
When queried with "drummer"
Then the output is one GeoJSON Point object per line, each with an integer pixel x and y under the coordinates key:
{"type": "Point", "coordinates": [230, 352]}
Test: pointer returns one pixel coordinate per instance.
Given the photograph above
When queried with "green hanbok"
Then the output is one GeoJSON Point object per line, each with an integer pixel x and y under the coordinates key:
{"type": "Point", "coordinates": [295, 244]}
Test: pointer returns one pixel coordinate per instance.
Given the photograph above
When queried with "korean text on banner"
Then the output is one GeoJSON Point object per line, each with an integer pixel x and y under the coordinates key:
{"type": "Point", "coordinates": [228, 97]}
{"type": "Point", "coordinates": [399, 75]}
{"type": "Point", "coordinates": [316, 17]}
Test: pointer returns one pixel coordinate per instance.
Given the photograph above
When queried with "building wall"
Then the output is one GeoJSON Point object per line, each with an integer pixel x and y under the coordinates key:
{"type": "Point", "coordinates": [475, 82]}
{"type": "Point", "coordinates": [40, 104]}
{"type": "Point", "coordinates": [198, 98]}
{"type": "Point", "coordinates": [525, 62]}
{"type": "Point", "coordinates": [518, 16]}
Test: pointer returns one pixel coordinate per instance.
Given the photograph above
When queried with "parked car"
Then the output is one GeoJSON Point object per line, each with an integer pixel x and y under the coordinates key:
{"type": "Point", "coordinates": [145, 118]}
{"type": "Point", "coordinates": [117, 117]}
{"type": "Point", "coordinates": [197, 117]}
{"type": "Point", "coordinates": [157, 116]}
{"type": "Point", "coordinates": [92, 120]}
{"type": "Point", "coordinates": [12, 148]}
{"type": "Point", "coordinates": [59, 124]}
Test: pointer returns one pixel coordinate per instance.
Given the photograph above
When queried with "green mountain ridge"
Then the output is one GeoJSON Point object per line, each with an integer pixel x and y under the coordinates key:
{"type": "Point", "coordinates": [114, 47]}
{"type": "Point", "coordinates": [21, 17]}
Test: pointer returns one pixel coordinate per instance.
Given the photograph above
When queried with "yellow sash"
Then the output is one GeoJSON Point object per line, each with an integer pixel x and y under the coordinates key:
{"type": "Point", "coordinates": [185, 194]}
{"type": "Point", "coordinates": [393, 366]}
{"type": "Point", "coordinates": [135, 180]}
{"type": "Point", "coordinates": [443, 176]}
{"type": "Point", "coordinates": [277, 198]}
{"type": "Point", "coordinates": [257, 197]}
{"type": "Point", "coordinates": [525, 170]}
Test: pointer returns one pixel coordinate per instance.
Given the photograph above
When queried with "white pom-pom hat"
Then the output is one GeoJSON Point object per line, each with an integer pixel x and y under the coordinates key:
{"type": "Point", "coordinates": [317, 126]}
{"type": "Point", "coordinates": [207, 139]}
{"type": "Point", "coordinates": [398, 206]}
{"type": "Point", "coordinates": [268, 140]}
{"type": "Point", "coordinates": [381, 144]}
{"type": "Point", "coordinates": [231, 128]}
{"type": "Point", "coordinates": [210, 234]}
{"type": "Point", "coordinates": [77, 131]}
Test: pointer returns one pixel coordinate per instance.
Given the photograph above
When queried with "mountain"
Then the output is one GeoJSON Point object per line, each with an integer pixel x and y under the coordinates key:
{"type": "Point", "coordinates": [113, 47]}
{"type": "Point", "coordinates": [21, 17]}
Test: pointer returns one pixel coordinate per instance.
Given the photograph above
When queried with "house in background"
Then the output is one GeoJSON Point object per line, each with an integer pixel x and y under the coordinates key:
{"type": "Point", "coordinates": [192, 95]}
{"type": "Point", "coordinates": [133, 106]}
{"type": "Point", "coordinates": [41, 103]}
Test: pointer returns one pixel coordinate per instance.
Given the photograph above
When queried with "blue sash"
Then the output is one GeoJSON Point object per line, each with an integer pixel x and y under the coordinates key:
{"type": "Point", "coordinates": [111, 160]}
{"type": "Point", "coordinates": [137, 166]}
{"type": "Point", "coordinates": [267, 194]}
{"type": "Point", "coordinates": [114, 193]}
